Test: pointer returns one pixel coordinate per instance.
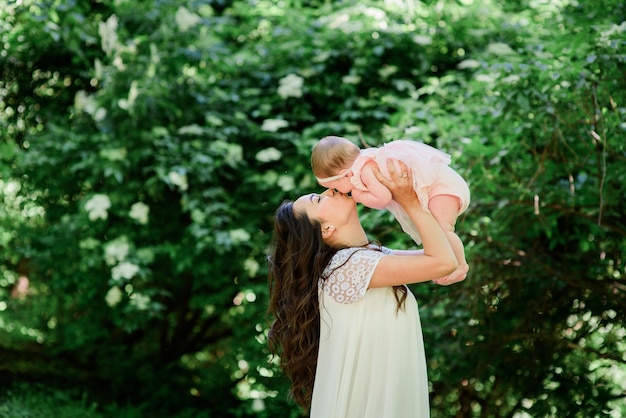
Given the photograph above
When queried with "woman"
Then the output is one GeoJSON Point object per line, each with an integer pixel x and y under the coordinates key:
{"type": "Point", "coordinates": [346, 328]}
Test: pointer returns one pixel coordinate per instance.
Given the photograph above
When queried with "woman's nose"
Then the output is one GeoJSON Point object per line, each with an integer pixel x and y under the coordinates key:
{"type": "Point", "coordinates": [328, 192]}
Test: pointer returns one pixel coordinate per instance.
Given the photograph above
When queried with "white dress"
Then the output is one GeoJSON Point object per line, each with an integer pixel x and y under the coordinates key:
{"type": "Point", "coordinates": [432, 175]}
{"type": "Point", "coordinates": [371, 361]}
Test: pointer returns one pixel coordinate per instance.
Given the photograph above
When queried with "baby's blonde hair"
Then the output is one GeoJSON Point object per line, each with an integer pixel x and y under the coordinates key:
{"type": "Point", "coordinates": [332, 154]}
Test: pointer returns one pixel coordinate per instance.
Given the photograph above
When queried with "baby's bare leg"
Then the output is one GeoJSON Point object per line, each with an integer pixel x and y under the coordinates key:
{"type": "Point", "coordinates": [445, 209]}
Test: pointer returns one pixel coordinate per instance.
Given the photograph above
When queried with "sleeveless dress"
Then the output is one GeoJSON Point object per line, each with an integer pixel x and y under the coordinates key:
{"type": "Point", "coordinates": [432, 175]}
{"type": "Point", "coordinates": [371, 361]}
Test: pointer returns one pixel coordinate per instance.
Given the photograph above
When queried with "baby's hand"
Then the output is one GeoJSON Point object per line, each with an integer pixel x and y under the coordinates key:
{"type": "Point", "coordinates": [400, 184]}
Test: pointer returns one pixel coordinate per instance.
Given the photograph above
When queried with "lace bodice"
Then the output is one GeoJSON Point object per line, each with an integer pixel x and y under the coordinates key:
{"type": "Point", "coordinates": [349, 273]}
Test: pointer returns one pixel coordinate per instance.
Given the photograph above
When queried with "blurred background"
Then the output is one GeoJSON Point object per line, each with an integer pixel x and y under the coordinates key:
{"type": "Point", "coordinates": [145, 145]}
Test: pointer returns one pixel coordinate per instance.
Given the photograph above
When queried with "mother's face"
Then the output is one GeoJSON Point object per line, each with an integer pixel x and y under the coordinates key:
{"type": "Point", "coordinates": [329, 208]}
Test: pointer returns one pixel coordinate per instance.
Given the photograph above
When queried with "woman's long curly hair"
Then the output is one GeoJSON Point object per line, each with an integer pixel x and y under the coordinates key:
{"type": "Point", "coordinates": [299, 256]}
{"type": "Point", "coordinates": [297, 261]}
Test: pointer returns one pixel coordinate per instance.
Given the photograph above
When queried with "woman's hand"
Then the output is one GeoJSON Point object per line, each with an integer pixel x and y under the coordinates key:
{"type": "Point", "coordinates": [400, 184]}
{"type": "Point", "coordinates": [437, 259]}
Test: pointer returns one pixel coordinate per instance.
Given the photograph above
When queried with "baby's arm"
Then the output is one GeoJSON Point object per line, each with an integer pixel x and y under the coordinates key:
{"type": "Point", "coordinates": [377, 195]}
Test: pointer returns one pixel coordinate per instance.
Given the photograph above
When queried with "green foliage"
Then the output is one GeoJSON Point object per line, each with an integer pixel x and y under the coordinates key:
{"type": "Point", "coordinates": [144, 147]}
{"type": "Point", "coordinates": [36, 400]}
{"type": "Point", "coordinates": [30, 401]}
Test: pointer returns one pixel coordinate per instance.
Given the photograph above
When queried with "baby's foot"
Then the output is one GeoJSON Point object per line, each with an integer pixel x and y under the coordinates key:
{"type": "Point", "coordinates": [456, 276]}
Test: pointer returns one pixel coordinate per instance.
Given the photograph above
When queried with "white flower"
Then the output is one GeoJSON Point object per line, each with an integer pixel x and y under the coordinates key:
{"type": "Point", "coordinates": [108, 35]}
{"type": "Point", "coordinates": [139, 212]}
{"type": "Point", "coordinates": [351, 79]}
{"type": "Point", "coordinates": [84, 102]}
{"type": "Point", "coordinates": [387, 71]}
{"type": "Point", "coordinates": [258, 405]}
{"type": "Point", "coordinates": [499, 48]}
{"type": "Point", "coordinates": [89, 244]}
{"type": "Point", "coordinates": [185, 19]}
{"type": "Point", "coordinates": [485, 78]}
{"type": "Point", "coordinates": [116, 251]}
{"type": "Point", "coordinates": [512, 79]}
{"type": "Point", "coordinates": [133, 93]}
{"type": "Point", "coordinates": [251, 266]}
{"type": "Point", "coordinates": [239, 235]}
{"type": "Point", "coordinates": [286, 183]}
{"type": "Point", "coordinates": [422, 39]}
{"type": "Point", "coordinates": [100, 114]}
{"type": "Point", "coordinates": [113, 297]}
{"type": "Point", "coordinates": [232, 154]}
{"type": "Point", "coordinates": [140, 301]}
{"type": "Point", "coordinates": [97, 206]}
{"type": "Point", "coordinates": [468, 63]}
{"type": "Point", "coordinates": [113, 154]}
{"type": "Point", "coordinates": [273, 125]}
{"type": "Point", "coordinates": [268, 154]}
{"type": "Point", "coordinates": [178, 179]}
{"type": "Point", "coordinates": [124, 270]}
{"type": "Point", "coordinates": [193, 129]}
{"type": "Point", "coordinates": [290, 86]}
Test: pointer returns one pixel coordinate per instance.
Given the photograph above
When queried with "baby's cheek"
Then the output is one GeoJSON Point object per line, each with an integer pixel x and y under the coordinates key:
{"type": "Point", "coordinates": [345, 188]}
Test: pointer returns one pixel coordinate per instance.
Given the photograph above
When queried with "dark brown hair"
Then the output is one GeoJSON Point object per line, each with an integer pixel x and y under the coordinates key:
{"type": "Point", "coordinates": [299, 256]}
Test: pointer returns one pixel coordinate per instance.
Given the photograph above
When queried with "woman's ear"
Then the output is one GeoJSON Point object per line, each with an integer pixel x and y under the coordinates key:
{"type": "Point", "coordinates": [327, 231]}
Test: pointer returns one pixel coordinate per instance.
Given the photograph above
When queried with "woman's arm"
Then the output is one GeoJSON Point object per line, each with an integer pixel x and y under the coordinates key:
{"type": "Point", "coordinates": [405, 253]}
{"type": "Point", "coordinates": [377, 196]}
{"type": "Point", "coordinates": [436, 260]}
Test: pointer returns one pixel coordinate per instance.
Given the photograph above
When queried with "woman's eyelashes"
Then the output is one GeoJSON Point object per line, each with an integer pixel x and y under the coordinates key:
{"type": "Point", "coordinates": [335, 191]}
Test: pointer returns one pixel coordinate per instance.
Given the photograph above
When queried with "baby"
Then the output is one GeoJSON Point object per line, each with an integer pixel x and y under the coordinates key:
{"type": "Point", "coordinates": [339, 164]}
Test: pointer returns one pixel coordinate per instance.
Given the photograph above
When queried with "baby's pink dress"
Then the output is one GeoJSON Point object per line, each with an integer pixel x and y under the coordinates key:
{"type": "Point", "coordinates": [432, 176]}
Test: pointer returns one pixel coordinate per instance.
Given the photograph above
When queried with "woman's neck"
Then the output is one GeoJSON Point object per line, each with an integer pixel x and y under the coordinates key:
{"type": "Point", "coordinates": [355, 237]}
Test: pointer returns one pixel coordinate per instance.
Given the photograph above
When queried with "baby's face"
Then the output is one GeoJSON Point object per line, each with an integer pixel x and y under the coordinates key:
{"type": "Point", "coordinates": [342, 184]}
